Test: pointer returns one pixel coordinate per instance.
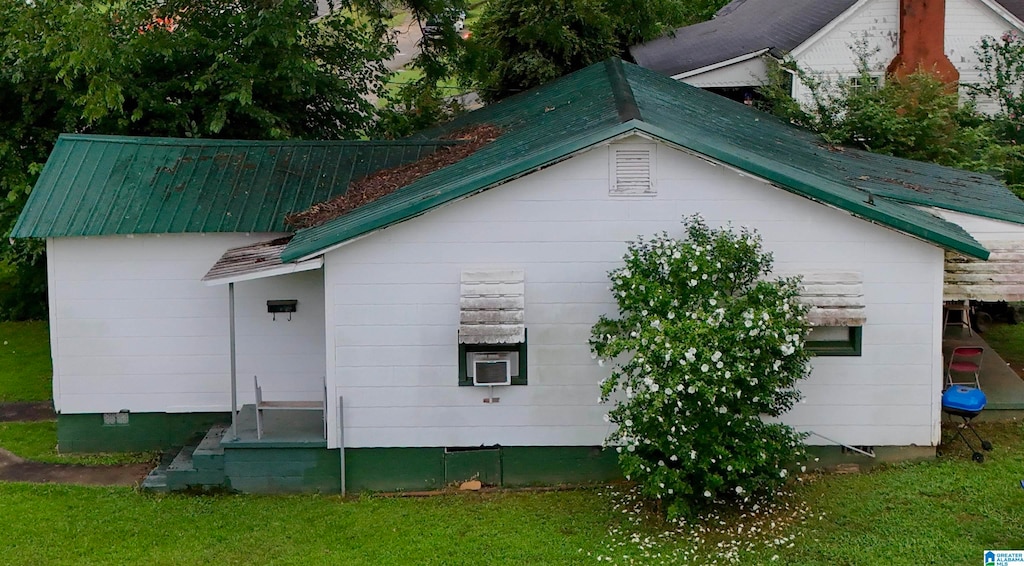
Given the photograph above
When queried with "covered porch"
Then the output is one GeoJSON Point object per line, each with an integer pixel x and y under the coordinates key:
{"type": "Point", "coordinates": [970, 280]}
{"type": "Point", "coordinates": [1003, 388]}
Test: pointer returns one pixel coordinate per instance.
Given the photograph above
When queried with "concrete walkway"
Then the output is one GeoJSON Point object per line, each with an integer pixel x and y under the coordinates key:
{"type": "Point", "coordinates": [1002, 386]}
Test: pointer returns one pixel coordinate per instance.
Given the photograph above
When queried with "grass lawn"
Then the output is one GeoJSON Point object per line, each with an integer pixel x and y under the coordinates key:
{"type": "Point", "coordinates": [1008, 340]}
{"type": "Point", "coordinates": [943, 512]}
{"type": "Point", "coordinates": [25, 367]}
{"type": "Point", "coordinates": [37, 441]}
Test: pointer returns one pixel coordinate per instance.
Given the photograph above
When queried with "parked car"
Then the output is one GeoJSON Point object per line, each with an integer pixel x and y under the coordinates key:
{"type": "Point", "coordinates": [434, 25]}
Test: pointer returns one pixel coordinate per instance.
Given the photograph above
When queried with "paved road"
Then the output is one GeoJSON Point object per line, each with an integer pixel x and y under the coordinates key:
{"type": "Point", "coordinates": [409, 35]}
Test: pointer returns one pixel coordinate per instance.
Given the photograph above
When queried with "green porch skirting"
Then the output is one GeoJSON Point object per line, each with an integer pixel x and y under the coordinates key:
{"type": "Point", "coordinates": [412, 469]}
{"type": "Point", "coordinates": [143, 431]}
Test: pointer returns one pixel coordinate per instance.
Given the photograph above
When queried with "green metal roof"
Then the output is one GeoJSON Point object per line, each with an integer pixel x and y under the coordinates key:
{"type": "Point", "coordinates": [97, 185]}
{"type": "Point", "coordinates": [600, 102]}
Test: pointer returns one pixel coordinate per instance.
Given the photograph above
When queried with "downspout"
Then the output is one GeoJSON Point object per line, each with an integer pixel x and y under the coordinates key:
{"type": "Point", "coordinates": [234, 373]}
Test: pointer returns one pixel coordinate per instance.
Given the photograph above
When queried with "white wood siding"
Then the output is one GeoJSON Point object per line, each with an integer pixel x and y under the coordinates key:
{"type": "Point", "coordinates": [967, 22]}
{"type": "Point", "coordinates": [132, 326]}
{"type": "Point", "coordinates": [877, 22]}
{"type": "Point", "coordinates": [983, 229]}
{"type": "Point", "coordinates": [832, 54]}
{"type": "Point", "coordinates": [393, 307]}
{"type": "Point", "coordinates": [752, 72]}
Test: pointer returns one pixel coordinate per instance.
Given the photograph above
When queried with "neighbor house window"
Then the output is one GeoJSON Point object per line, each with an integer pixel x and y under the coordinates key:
{"type": "Point", "coordinates": [492, 329]}
{"type": "Point", "coordinates": [835, 340]}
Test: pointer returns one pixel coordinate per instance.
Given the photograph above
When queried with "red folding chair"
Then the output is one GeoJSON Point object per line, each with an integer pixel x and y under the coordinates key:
{"type": "Point", "coordinates": [964, 364]}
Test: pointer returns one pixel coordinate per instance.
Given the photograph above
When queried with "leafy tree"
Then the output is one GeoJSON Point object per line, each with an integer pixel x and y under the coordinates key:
{"type": "Point", "coordinates": [520, 44]}
{"type": "Point", "coordinates": [917, 117]}
{"type": "Point", "coordinates": [703, 347]}
{"type": "Point", "coordinates": [212, 68]}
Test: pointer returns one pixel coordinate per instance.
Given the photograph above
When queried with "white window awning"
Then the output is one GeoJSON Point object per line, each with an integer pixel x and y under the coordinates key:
{"type": "Point", "coordinates": [256, 261]}
{"type": "Point", "coordinates": [1001, 278]}
{"type": "Point", "coordinates": [492, 304]}
{"type": "Point", "coordinates": [835, 298]}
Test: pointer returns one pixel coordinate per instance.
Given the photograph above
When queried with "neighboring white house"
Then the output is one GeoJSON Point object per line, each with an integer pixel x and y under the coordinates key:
{"type": "Point", "coordinates": [728, 53]}
{"type": "Point", "coordinates": [504, 251]}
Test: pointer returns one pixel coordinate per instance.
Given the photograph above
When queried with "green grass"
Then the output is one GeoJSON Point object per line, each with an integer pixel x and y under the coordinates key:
{"type": "Point", "coordinates": [37, 441]}
{"type": "Point", "coordinates": [74, 525]}
{"type": "Point", "coordinates": [25, 367]}
{"type": "Point", "coordinates": [1008, 340]}
{"type": "Point", "coordinates": [945, 511]}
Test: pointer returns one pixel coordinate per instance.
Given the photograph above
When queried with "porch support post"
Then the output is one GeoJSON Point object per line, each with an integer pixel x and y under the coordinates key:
{"type": "Point", "coordinates": [234, 375]}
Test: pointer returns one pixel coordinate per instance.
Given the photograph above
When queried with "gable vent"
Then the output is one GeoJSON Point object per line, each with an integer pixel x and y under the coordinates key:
{"type": "Point", "coordinates": [632, 170]}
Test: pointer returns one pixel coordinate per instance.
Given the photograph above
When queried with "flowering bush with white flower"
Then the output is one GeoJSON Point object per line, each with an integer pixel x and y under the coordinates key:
{"type": "Point", "coordinates": [703, 348]}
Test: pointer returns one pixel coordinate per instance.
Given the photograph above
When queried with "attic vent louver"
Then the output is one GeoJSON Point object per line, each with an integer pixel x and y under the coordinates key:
{"type": "Point", "coordinates": [492, 307]}
{"type": "Point", "coordinates": [632, 170]}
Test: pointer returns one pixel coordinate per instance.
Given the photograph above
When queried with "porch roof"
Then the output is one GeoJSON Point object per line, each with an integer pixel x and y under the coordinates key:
{"type": "Point", "coordinates": [256, 261]}
{"type": "Point", "coordinates": [1001, 278]}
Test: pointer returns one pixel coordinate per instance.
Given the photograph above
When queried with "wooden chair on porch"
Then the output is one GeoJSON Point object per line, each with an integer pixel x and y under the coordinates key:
{"type": "Point", "coordinates": [263, 405]}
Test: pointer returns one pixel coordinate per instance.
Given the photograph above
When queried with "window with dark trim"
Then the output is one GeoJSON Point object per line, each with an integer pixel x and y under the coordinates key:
{"type": "Point", "coordinates": [518, 377]}
{"type": "Point", "coordinates": [835, 340]}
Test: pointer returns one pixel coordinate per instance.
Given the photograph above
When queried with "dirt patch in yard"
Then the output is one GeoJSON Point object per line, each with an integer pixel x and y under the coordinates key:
{"type": "Point", "coordinates": [14, 468]}
{"type": "Point", "coordinates": [25, 412]}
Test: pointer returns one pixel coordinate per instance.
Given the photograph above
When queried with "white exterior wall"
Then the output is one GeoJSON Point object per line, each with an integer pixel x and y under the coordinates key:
{"type": "Point", "coordinates": [983, 229]}
{"type": "Point", "coordinates": [973, 20]}
{"type": "Point", "coordinates": [392, 305]}
{"type": "Point", "coordinates": [831, 52]}
{"type": "Point", "coordinates": [877, 22]}
{"type": "Point", "coordinates": [133, 327]}
{"type": "Point", "coordinates": [752, 72]}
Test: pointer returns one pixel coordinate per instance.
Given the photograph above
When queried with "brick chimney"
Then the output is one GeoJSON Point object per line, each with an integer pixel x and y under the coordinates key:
{"type": "Point", "coordinates": [922, 41]}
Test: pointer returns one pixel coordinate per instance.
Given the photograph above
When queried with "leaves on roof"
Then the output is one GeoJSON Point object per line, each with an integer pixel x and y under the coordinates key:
{"type": "Point", "coordinates": [386, 181]}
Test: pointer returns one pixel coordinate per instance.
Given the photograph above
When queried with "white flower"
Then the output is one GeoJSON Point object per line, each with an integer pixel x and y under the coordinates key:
{"type": "Point", "coordinates": [693, 282]}
{"type": "Point", "coordinates": [691, 390]}
{"type": "Point", "coordinates": [671, 315]}
{"type": "Point", "coordinates": [600, 363]}
{"type": "Point", "coordinates": [716, 356]}
{"type": "Point", "coordinates": [654, 387]}
{"type": "Point", "coordinates": [629, 422]}
{"type": "Point", "coordinates": [783, 473]}
{"type": "Point", "coordinates": [739, 490]}
{"type": "Point", "coordinates": [704, 367]}
{"type": "Point", "coordinates": [707, 493]}
{"type": "Point", "coordinates": [693, 454]}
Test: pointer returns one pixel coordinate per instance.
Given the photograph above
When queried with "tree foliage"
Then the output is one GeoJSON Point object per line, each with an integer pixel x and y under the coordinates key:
{"type": "Point", "coordinates": [209, 68]}
{"type": "Point", "coordinates": [704, 347]}
{"type": "Point", "coordinates": [520, 44]}
{"type": "Point", "coordinates": [917, 117]}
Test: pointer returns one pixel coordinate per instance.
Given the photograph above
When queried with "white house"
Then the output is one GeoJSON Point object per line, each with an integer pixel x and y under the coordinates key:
{"type": "Point", "coordinates": [166, 255]}
{"type": "Point", "coordinates": [728, 53]}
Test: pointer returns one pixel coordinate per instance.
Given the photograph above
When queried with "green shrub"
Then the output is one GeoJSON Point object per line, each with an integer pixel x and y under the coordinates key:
{"type": "Point", "coordinates": [704, 347]}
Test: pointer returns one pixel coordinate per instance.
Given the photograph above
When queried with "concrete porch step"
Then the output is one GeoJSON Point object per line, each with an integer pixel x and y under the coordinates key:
{"type": "Point", "coordinates": [209, 455]}
{"type": "Point", "coordinates": [183, 472]}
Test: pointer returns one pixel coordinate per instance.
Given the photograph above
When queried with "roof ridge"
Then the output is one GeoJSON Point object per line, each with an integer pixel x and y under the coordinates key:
{"type": "Point", "coordinates": [173, 141]}
{"type": "Point", "coordinates": [622, 91]}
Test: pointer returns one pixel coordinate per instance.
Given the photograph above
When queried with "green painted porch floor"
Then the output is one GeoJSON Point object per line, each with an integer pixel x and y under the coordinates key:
{"type": "Point", "coordinates": [281, 429]}
{"type": "Point", "coordinates": [1003, 388]}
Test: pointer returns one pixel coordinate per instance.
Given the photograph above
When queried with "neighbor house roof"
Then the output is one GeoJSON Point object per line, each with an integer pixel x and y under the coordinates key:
{"type": "Point", "coordinates": [98, 185]}
{"type": "Point", "coordinates": [611, 99]}
{"type": "Point", "coordinates": [747, 27]}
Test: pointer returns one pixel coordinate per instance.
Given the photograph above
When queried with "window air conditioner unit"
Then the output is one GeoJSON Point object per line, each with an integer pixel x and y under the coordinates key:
{"type": "Point", "coordinates": [492, 368]}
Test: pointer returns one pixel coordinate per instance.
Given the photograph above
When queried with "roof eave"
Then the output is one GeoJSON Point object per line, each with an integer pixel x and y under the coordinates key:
{"type": "Point", "coordinates": [297, 249]}
{"type": "Point", "coordinates": [863, 210]}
